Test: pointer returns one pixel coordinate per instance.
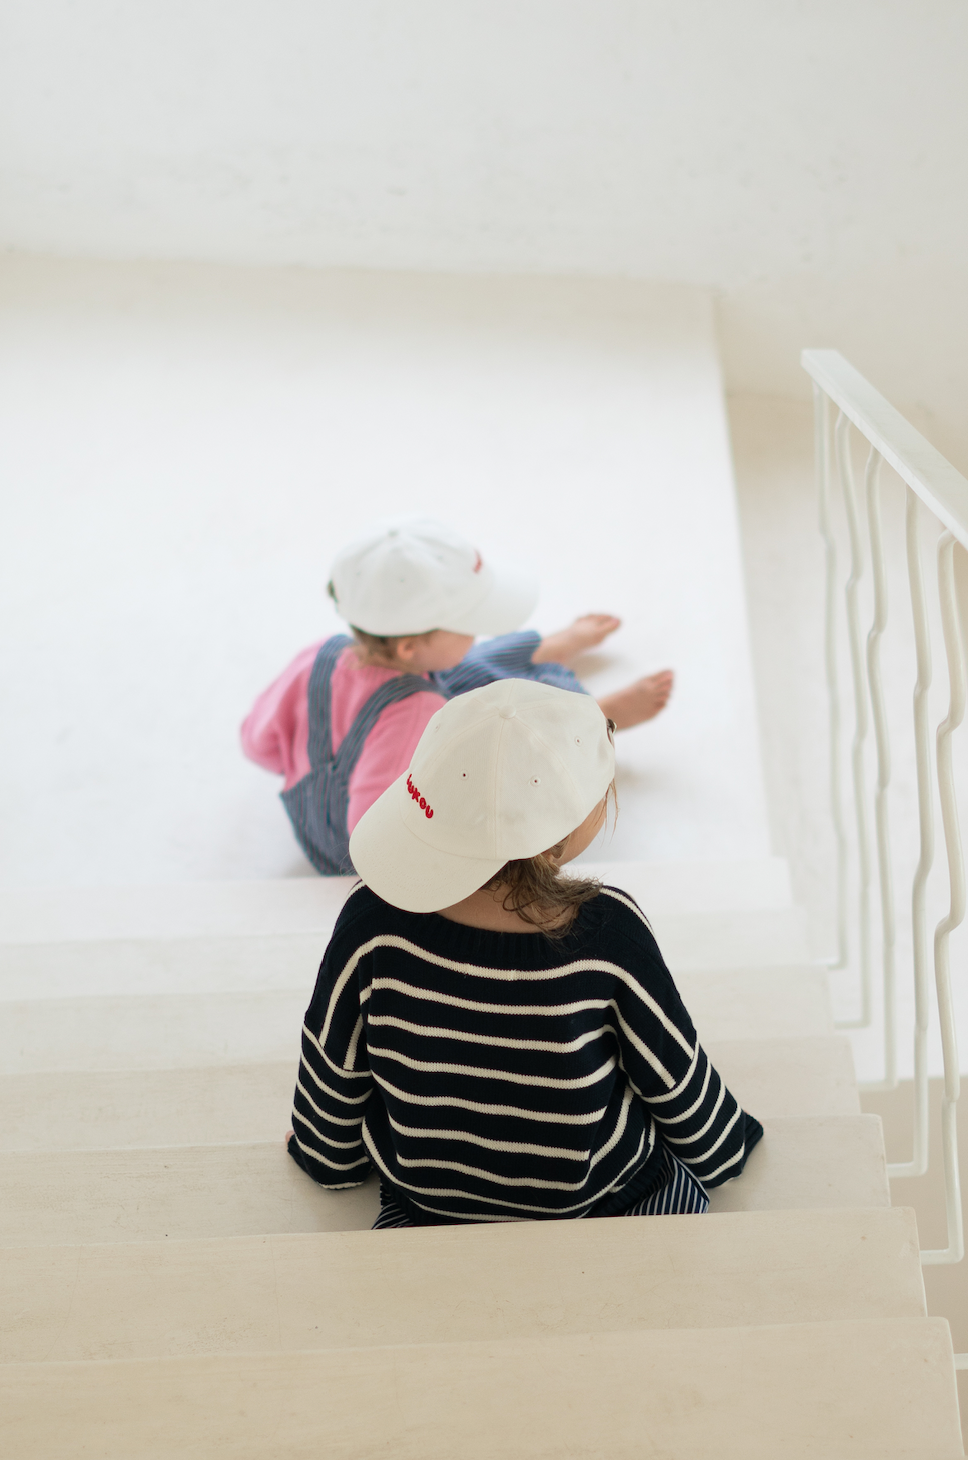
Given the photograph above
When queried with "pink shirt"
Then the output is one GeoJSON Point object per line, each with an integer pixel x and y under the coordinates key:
{"type": "Point", "coordinates": [275, 734]}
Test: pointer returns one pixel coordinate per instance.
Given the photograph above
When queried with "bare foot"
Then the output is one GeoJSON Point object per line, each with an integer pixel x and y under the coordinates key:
{"type": "Point", "coordinates": [585, 633]}
{"type": "Point", "coordinates": [640, 701]}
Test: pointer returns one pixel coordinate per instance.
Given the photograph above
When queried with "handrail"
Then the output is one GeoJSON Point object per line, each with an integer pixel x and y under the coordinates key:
{"type": "Point", "coordinates": [933, 481]}
{"type": "Point", "coordinates": [915, 460]}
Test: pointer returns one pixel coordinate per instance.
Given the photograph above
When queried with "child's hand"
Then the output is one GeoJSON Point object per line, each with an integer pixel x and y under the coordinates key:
{"type": "Point", "coordinates": [289, 1136]}
{"type": "Point", "coordinates": [585, 633]}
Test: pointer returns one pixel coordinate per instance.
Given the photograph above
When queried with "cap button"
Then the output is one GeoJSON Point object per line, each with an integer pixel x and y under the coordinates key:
{"type": "Point", "coordinates": [507, 713]}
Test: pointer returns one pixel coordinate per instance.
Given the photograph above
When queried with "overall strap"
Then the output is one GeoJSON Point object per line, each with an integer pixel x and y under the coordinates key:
{"type": "Point", "coordinates": [400, 688]}
{"type": "Point", "coordinates": [320, 745]}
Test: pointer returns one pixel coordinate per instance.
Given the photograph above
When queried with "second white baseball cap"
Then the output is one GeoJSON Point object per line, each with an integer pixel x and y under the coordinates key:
{"type": "Point", "coordinates": [413, 574]}
{"type": "Point", "coordinates": [499, 773]}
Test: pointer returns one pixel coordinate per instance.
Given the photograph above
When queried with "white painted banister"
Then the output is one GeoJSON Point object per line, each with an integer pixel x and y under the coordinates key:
{"type": "Point", "coordinates": [822, 464]}
{"type": "Point", "coordinates": [932, 481]}
{"type": "Point", "coordinates": [938, 484]}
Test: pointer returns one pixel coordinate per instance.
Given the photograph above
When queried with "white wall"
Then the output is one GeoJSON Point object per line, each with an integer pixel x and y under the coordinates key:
{"type": "Point", "coordinates": [806, 159]}
{"type": "Point", "coordinates": [184, 447]}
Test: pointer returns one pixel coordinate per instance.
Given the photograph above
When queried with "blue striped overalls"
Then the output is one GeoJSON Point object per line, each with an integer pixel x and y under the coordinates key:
{"type": "Point", "coordinates": [318, 804]}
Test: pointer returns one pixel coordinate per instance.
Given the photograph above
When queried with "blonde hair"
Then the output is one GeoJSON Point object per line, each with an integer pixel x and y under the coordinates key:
{"type": "Point", "coordinates": [376, 649]}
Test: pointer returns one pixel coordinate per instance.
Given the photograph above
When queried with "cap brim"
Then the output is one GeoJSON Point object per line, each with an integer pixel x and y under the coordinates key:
{"type": "Point", "coordinates": [510, 599]}
{"type": "Point", "coordinates": [402, 869]}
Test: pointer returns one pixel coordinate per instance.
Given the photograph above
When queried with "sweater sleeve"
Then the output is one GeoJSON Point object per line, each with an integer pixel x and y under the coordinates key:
{"type": "Point", "coordinates": [334, 1081]}
{"type": "Point", "coordinates": [697, 1116]}
{"type": "Point", "coordinates": [276, 730]}
{"type": "Point", "coordinates": [506, 657]}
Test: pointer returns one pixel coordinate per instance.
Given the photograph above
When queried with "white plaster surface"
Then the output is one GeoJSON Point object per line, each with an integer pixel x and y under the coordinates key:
{"type": "Point", "coordinates": [184, 448]}
{"type": "Point", "coordinates": [773, 445]}
{"type": "Point", "coordinates": [349, 1290]}
{"type": "Point", "coordinates": [251, 1190]}
{"type": "Point", "coordinates": [704, 143]}
{"type": "Point", "coordinates": [807, 161]}
{"type": "Point", "coordinates": [217, 1104]}
{"type": "Point", "coordinates": [880, 1389]}
{"type": "Point", "coordinates": [280, 906]}
{"type": "Point", "coordinates": [146, 1030]}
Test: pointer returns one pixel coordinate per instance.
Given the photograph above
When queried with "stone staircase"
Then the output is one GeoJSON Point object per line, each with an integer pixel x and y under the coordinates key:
{"type": "Point", "coordinates": [174, 1285]}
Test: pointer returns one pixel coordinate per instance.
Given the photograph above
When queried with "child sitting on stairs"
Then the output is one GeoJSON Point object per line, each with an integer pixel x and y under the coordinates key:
{"type": "Point", "coordinates": [500, 1041]}
{"type": "Point", "coordinates": [342, 721]}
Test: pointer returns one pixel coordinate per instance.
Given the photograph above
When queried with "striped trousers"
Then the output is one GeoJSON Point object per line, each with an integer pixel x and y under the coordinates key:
{"type": "Point", "coordinates": [682, 1195]}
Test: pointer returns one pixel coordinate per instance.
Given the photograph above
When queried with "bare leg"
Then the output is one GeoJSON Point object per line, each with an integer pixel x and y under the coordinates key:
{"type": "Point", "coordinates": [640, 701]}
{"type": "Point", "coordinates": [585, 633]}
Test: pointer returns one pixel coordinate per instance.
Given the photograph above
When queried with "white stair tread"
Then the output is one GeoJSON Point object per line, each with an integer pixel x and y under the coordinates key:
{"type": "Point", "coordinates": [214, 1104]}
{"type": "Point", "coordinates": [666, 889]}
{"type": "Point", "coordinates": [179, 1192]}
{"type": "Point", "coordinates": [240, 1190]}
{"type": "Point", "coordinates": [289, 960]}
{"type": "Point", "coordinates": [181, 1030]}
{"type": "Point", "coordinates": [123, 967]}
{"type": "Point", "coordinates": [754, 939]}
{"type": "Point", "coordinates": [151, 1031]}
{"type": "Point", "coordinates": [810, 1162]}
{"type": "Point", "coordinates": [96, 1110]}
{"type": "Point", "coordinates": [777, 1079]}
{"type": "Point", "coordinates": [758, 1003]}
{"type": "Point", "coordinates": [449, 1284]}
{"type": "Point", "coordinates": [830, 1390]}
{"type": "Point", "coordinates": [311, 904]}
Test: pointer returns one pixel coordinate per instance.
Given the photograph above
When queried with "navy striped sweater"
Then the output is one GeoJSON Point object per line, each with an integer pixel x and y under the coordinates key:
{"type": "Point", "coordinates": [506, 1076]}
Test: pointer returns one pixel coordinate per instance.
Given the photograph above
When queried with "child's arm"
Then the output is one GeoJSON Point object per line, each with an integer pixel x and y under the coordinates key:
{"type": "Point", "coordinates": [276, 729]}
{"type": "Point", "coordinates": [698, 1117]}
{"type": "Point", "coordinates": [567, 644]}
{"type": "Point", "coordinates": [334, 1081]}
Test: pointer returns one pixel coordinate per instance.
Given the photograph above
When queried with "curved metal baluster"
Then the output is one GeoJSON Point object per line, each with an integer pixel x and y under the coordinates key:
{"type": "Point", "coordinates": [954, 651]}
{"type": "Point", "coordinates": [918, 1164]}
{"type": "Point", "coordinates": [842, 438]}
{"type": "Point", "coordinates": [882, 740]}
{"type": "Point", "coordinates": [821, 420]}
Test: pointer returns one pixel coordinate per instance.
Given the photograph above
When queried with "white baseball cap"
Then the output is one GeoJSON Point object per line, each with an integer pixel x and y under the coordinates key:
{"type": "Point", "coordinates": [412, 574]}
{"type": "Point", "coordinates": [499, 773]}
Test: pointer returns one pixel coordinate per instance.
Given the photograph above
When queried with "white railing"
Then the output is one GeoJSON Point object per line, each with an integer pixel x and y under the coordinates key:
{"type": "Point", "coordinates": [930, 480]}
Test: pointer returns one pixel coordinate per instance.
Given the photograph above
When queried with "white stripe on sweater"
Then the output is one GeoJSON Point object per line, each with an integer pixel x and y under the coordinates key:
{"type": "Point", "coordinates": [508, 975]}
{"type": "Point", "coordinates": [591, 1117]}
{"type": "Point", "coordinates": [539, 1081]}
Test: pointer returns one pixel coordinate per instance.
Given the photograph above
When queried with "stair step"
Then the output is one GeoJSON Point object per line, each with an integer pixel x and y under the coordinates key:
{"type": "Point", "coordinates": [670, 888]}
{"type": "Point", "coordinates": [255, 962]}
{"type": "Point", "coordinates": [811, 1162]}
{"type": "Point", "coordinates": [99, 1110]}
{"type": "Point", "coordinates": [122, 968]}
{"type": "Point", "coordinates": [832, 1390]}
{"type": "Point", "coordinates": [214, 1104]}
{"type": "Point", "coordinates": [163, 1193]}
{"type": "Point", "coordinates": [285, 905]}
{"type": "Point", "coordinates": [166, 1031]}
{"type": "Point", "coordinates": [757, 939]}
{"type": "Point", "coordinates": [782, 1078]}
{"type": "Point", "coordinates": [248, 1190]}
{"type": "Point", "coordinates": [758, 1003]}
{"type": "Point", "coordinates": [152, 1032]}
{"type": "Point", "coordinates": [450, 1284]}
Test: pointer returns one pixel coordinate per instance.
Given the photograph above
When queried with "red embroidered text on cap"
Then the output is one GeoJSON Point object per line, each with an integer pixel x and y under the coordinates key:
{"type": "Point", "coordinates": [420, 800]}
